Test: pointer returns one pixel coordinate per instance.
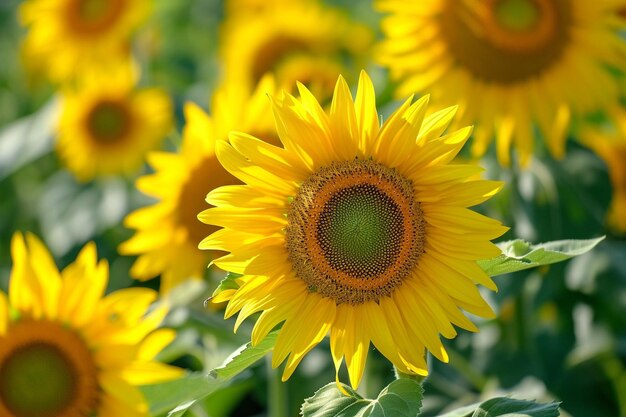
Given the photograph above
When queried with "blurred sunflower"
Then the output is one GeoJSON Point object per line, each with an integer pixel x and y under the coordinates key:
{"type": "Point", "coordinates": [509, 64]}
{"type": "Point", "coordinates": [168, 232]}
{"type": "Point", "coordinates": [67, 38]}
{"type": "Point", "coordinates": [610, 145]}
{"type": "Point", "coordinates": [107, 126]}
{"type": "Point", "coordinates": [296, 41]}
{"type": "Point", "coordinates": [67, 351]}
{"type": "Point", "coordinates": [354, 229]}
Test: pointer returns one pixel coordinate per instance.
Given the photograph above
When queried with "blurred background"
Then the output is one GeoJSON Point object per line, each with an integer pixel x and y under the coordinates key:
{"type": "Point", "coordinates": [560, 331]}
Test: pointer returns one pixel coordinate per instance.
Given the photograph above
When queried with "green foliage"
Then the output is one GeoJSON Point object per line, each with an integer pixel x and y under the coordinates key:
{"type": "Point", "coordinates": [507, 407]}
{"type": "Point", "coordinates": [518, 255]}
{"type": "Point", "coordinates": [401, 398]}
{"type": "Point", "coordinates": [176, 397]}
{"type": "Point", "coordinates": [244, 357]}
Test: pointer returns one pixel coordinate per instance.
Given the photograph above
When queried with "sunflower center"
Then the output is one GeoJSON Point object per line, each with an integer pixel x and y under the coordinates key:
{"type": "Point", "coordinates": [355, 231]}
{"type": "Point", "coordinates": [108, 122]}
{"type": "Point", "coordinates": [93, 16]}
{"type": "Point", "coordinates": [516, 15]}
{"type": "Point", "coordinates": [42, 366]}
{"type": "Point", "coordinates": [360, 230]}
{"type": "Point", "coordinates": [46, 371]}
{"type": "Point", "coordinates": [506, 41]}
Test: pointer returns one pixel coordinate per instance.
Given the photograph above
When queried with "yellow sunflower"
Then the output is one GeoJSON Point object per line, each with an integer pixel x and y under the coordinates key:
{"type": "Point", "coordinates": [355, 229]}
{"type": "Point", "coordinates": [511, 65]}
{"type": "Point", "coordinates": [107, 126]}
{"type": "Point", "coordinates": [610, 145]}
{"type": "Point", "coordinates": [299, 40]}
{"type": "Point", "coordinates": [66, 350]}
{"type": "Point", "coordinates": [68, 38]}
{"type": "Point", "coordinates": [168, 232]}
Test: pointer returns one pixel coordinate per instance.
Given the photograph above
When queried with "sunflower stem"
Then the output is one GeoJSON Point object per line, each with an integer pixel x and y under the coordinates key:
{"type": "Point", "coordinates": [276, 392]}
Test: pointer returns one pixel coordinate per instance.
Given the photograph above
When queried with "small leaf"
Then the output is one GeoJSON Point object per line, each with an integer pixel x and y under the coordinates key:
{"type": "Point", "coordinates": [244, 357]}
{"type": "Point", "coordinates": [177, 396]}
{"type": "Point", "coordinates": [228, 283]}
{"type": "Point", "coordinates": [507, 407]}
{"type": "Point", "coordinates": [401, 398]}
{"type": "Point", "coordinates": [518, 254]}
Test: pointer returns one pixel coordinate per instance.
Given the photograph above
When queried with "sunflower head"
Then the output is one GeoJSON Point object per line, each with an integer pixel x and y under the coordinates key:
{"type": "Point", "coordinates": [299, 40]}
{"type": "Point", "coordinates": [70, 38]}
{"type": "Point", "coordinates": [108, 126]}
{"type": "Point", "coordinates": [168, 232]}
{"type": "Point", "coordinates": [511, 65]}
{"type": "Point", "coordinates": [353, 229]}
{"type": "Point", "coordinates": [66, 349]}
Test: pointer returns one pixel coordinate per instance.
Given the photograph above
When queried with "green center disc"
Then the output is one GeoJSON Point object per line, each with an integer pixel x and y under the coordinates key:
{"type": "Point", "coordinates": [517, 15]}
{"type": "Point", "coordinates": [108, 122]}
{"type": "Point", "coordinates": [93, 9]}
{"type": "Point", "coordinates": [360, 231]}
{"type": "Point", "coordinates": [37, 381]}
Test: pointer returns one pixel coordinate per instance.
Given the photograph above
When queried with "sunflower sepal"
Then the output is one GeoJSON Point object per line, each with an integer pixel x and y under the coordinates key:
{"type": "Point", "coordinates": [519, 254]}
{"type": "Point", "coordinates": [228, 284]}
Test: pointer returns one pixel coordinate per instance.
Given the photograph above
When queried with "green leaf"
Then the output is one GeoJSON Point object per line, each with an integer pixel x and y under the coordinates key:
{"type": "Point", "coordinates": [244, 357]}
{"type": "Point", "coordinates": [180, 394]}
{"type": "Point", "coordinates": [401, 398]}
{"type": "Point", "coordinates": [28, 138]}
{"type": "Point", "coordinates": [507, 407]}
{"type": "Point", "coordinates": [177, 396]}
{"type": "Point", "coordinates": [228, 283]}
{"type": "Point", "coordinates": [519, 254]}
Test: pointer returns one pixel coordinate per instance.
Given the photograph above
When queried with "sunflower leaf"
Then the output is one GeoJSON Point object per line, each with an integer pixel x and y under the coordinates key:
{"type": "Point", "coordinates": [177, 396]}
{"type": "Point", "coordinates": [507, 407]}
{"type": "Point", "coordinates": [518, 254]}
{"type": "Point", "coordinates": [244, 357]}
{"type": "Point", "coordinates": [401, 398]}
{"type": "Point", "coordinates": [27, 139]}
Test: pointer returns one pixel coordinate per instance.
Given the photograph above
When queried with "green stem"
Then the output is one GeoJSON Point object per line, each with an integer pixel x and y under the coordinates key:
{"type": "Point", "coordinates": [465, 368]}
{"type": "Point", "coordinates": [276, 392]}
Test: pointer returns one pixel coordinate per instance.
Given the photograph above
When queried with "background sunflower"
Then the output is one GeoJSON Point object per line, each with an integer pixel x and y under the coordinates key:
{"type": "Point", "coordinates": [107, 125]}
{"type": "Point", "coordinates": [68, 351]}
{"type": "Point", "coordinates": [168, 233]}
{"type": "Point", "coordinates": [70, 38]}
{"type": "Point", "coordinates": [511, 65]}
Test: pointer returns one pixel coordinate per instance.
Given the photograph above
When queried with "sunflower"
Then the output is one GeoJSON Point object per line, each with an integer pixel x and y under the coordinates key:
{"type": "Point", "coordinates": [68, 38]}
{"type": "Point", "coordinates": [511, 65]}
{"type": "Point", "coordinates": [609, 143]}
{"type": "Point", "coordinates": [107, 126]}
{"type": "Point", "coordinates": [354, 229]}
{"type": "Point", "coordinates": [299, 40]}
{"type": "Point", "coordinates": [168, 232]}
{"type": "Point", "coordinates": [67, 351]}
